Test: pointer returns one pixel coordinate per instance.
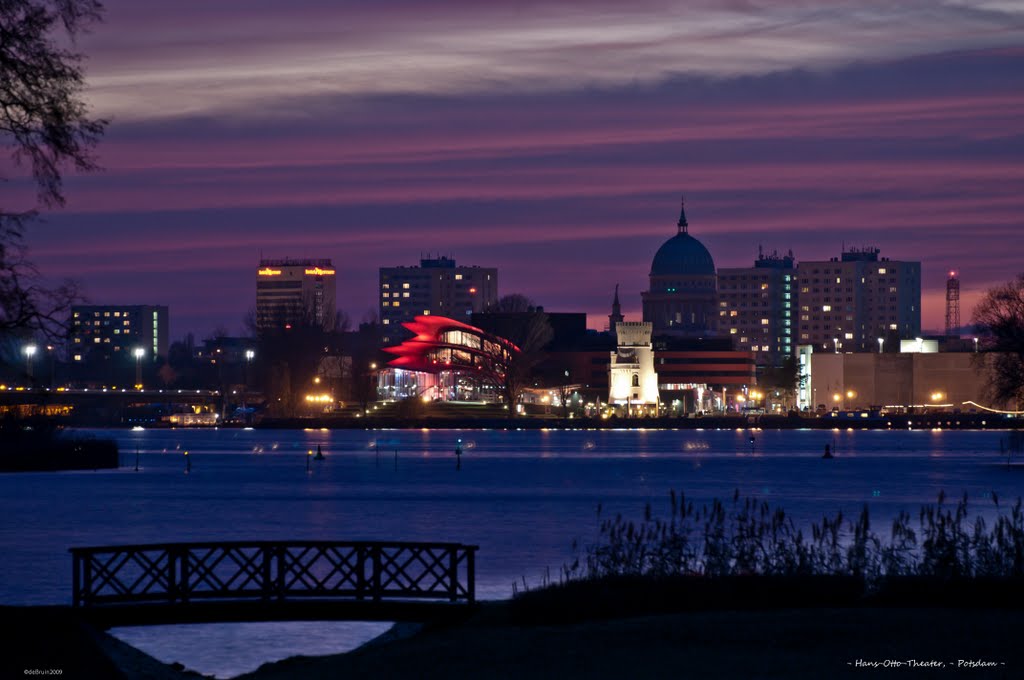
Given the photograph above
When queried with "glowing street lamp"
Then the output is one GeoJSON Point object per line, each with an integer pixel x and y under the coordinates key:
{"type": "Point", "coordinates": [881, 341]}
{"type": "Point", "coordinates": [30, 352]}
{"type": "Point", "coordinates": [975, 345]}
{"type": "Point", "coordinates": [138, 353]}
{"type": "Point", "coordinates": [835, 344]}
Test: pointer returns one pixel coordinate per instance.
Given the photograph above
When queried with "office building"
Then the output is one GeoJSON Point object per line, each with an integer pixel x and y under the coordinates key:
{"type": "Point", "coordinates": [437, 286]}
{"type": "Point", "coordinates": [292, 292]}
{"type": "Point", "coordinates": [847, 304]}
{"type": "Point", "coordinates": [756, 307]}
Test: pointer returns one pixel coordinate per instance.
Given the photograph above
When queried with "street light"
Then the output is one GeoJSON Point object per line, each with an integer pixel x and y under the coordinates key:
{"type": "Point", "coordinates": [881, 341]}
{"type": "Point", "coordinates": [138, 353]}
{"type": "Point", "coordinates": [975, 345]}
{"type": "Point", "coordinates": [835, 344]}
{"type": "Point", "coordinates": [30, 352]}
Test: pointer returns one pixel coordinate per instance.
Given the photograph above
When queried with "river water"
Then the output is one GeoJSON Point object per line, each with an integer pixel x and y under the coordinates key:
{"type": "Point", "coordinates": [522, 496]}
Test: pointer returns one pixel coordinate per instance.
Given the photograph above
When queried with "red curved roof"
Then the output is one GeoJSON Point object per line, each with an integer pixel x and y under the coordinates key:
{"type": "Point", "coordinates": [412, 354]}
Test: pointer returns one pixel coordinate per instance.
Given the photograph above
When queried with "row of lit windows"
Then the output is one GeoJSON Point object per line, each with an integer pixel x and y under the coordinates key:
{"type": "Point", "coordinates": [105, 314]}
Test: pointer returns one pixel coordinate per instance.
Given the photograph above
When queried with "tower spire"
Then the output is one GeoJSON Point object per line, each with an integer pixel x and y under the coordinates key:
{"type": "Point", "coordinates": [616, 315]}
{"type": "Point", "coordinates": [683, 225]}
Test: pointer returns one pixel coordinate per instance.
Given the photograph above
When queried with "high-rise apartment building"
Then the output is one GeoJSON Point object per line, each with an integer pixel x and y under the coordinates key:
{"type": "Point", "coordinates": [101, 333]}
{"type": "Point", "coordinates": [289, 292]}
{"type": "Point", "coordinates": [846, 304]}
{"type": "Point", "coordinates": [756, 307]}
{"type": "Point", "coordinates": [437, 286]}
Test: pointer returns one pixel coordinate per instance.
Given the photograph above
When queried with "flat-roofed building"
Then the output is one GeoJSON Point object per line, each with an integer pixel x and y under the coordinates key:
{"type": "Point", "coordinates": [756, 307]}
{"type": "Point", "coordinates": [290, 292]}
{"type": "Point", "coordinates": [846, 304]}
{"type": "Point", "coordinates": [108, 341]}
{"type": "Point", "coordinates": [437, 286]}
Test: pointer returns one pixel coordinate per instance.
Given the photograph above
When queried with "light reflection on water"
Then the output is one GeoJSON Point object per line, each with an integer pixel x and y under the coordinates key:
{"type": "Point", "coordinates": [522, 496]}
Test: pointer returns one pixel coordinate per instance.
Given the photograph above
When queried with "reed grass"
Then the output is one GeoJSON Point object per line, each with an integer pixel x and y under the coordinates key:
{"type": "Point", "coordinates": [745, 536]}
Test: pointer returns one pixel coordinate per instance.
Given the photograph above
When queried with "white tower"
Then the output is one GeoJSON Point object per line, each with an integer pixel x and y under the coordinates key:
{"type": "Point", "coordinates": [631, 378]}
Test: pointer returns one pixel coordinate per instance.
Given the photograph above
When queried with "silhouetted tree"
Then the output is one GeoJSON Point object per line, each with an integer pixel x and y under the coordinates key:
{"type": "Point", "coordinates": [785, 378]}
{"type": "Point", "coordinates": [1000, 316]}
{"type": "Point", "coordinates": [531, 337]}
{"type": "Point", "coordinates": [44, 121]}
{"type": "Point", "coordinates": [514, 302]}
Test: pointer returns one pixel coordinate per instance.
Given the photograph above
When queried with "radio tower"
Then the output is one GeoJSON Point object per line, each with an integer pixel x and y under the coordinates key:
{"type": "Point", "coordinates": [953, 305]}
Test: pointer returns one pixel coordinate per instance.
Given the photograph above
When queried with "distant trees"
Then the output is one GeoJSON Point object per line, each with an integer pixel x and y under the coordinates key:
{"type": "Point", "coordinates": [46, 123]}
{"type": "Point", "coordinates": [290, 353]}
{"type": "Point", "coordinates": [1000, 316]}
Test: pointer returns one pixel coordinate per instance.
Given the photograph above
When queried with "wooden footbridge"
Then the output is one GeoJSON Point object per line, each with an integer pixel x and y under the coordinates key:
{"type": "Point", "coordinates": [273, 581]}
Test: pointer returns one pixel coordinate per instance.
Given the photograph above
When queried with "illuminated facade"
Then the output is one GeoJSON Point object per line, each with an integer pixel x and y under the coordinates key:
{"type": "Point", "coordinates": [682, 295]}
{"type": "Point", "coordinates": [436, 287]}
{"type": "Point", "coordinates": [290, 292]}
{"type": "Point", "coordinates": [107, 332]}
{"type": "Point", "coordinates": [756, 307]}
{"type": "Point", "coordinates": [846, 304]}
{"type": "Point", "coordinates": [632, 381]}
{"type": "Point", "coordinates": [448, 360]}
{"type": "Point", "coordinates": [944, 381]}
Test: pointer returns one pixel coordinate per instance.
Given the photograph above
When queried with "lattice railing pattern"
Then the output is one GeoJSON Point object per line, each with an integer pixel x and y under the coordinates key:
{"type": "Point", "coordinates": [365, 570]}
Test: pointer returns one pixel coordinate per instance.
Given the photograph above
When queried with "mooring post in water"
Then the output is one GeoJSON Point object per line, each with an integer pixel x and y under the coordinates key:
{"type": "Point", "coordinates": [309, 455]}
{"type": "Point", "coordinates": [188, 463]}
{"type": "Point", "coordinates": [136, 458]}
{"type": "Point", "coordinates": [458, 455]}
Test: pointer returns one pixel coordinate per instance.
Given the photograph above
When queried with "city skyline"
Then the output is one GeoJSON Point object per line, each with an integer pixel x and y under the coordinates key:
{"type": "Point", "coordinates": [550, 143]}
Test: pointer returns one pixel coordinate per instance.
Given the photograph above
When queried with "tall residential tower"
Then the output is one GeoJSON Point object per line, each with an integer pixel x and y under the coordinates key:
{"type": "Point", "coordinates": [437, 286]}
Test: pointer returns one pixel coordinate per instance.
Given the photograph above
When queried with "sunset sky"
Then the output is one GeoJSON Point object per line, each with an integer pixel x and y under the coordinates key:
{"type": "Point", "coordinates": [551, 140]}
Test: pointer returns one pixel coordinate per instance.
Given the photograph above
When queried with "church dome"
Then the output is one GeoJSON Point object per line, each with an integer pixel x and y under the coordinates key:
{"type": "Point", "coordinates": [682, 255]}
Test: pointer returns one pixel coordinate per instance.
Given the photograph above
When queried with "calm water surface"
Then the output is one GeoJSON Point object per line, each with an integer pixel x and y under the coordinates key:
{"type": "Point", "coordinates": [522, 496]}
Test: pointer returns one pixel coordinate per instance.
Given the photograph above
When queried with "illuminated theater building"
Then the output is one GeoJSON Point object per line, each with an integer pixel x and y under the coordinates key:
{"type": "Point", "coordinates": [289, 292]}
{"type": "Point", "coordinates": [446, 360]}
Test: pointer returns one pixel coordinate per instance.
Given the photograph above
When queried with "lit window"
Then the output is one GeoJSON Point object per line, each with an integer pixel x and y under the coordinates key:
{"type": "Point", "coordinates": [733, 313]}
{"type": "Point", "coordinates": [764, 322]}
{"type": "Point", "coordinates": [385, 286]}
{"type": "Point", "coordinates": [78, 340]}
{"type": "Point", "coordinates": [96, 340]}
{"type": "Point", "coordinates": [405, 285]}
{"type": "Point", "coordinates": [405, 295]}
{"type": "Point", "coordinates": [117, 313]}
{"type": "Point", "coordinates": [881, 270]}
{"type": "Point", "coordinates": [732, 331]}
{"type": "Point", "coordinates": [764, 286]}
{"type": "Point", "coordinates": [848, 336]}
{"type": "Point", "coordinates": [426, 312]}
{"type": "Point", "coordinates": [78, 357]}
{"type": "Point", "coordinates": [106, 313]}
{"type": "Point", "coordinates": [458, 277]}
{"type": "Point", "coordinates": [893, 327]}
{"type": "Point", "coordinates": [385, 295]}
{"type": "Point", "coordinates": [826, 308]}
{"type": "Point", "coordinates": [387, 322]}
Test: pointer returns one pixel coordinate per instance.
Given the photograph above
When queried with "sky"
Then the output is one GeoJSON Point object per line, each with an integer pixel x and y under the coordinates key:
{"type": "Point", "coordinates": [551, 140]}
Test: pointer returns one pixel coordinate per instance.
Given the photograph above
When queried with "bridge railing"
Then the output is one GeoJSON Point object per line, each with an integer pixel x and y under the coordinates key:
{"type": "Point", "coordinates": [273, 570]}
